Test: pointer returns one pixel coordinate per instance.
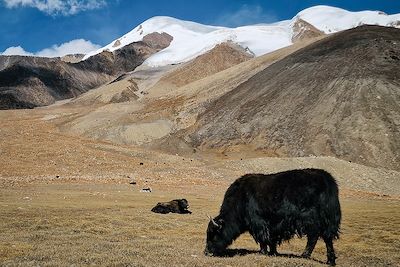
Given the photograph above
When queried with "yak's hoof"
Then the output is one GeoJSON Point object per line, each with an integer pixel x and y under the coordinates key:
{"type": "Point", "coordinates": [305, 255]}
{"type": "Point", "coordinates": [266, 252]}
{"type": "Point", "coordinates": [331, 262]}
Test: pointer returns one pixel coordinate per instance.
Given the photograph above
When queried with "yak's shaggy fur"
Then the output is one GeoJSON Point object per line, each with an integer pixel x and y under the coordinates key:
{"type": "Point", "coordinates": [175, 206]}
{"type": "Point", "coordinates": [275, 207]}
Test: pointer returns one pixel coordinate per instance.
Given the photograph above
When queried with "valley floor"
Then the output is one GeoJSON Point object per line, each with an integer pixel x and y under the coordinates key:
{"type": "Point", "coordinates": [111, 224]}
{"type": "Point", "coordinates": [66, 200]}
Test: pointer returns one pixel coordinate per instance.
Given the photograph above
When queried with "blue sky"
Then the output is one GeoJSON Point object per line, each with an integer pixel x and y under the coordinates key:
{"type": "Point", "coordinates": [39, 24]}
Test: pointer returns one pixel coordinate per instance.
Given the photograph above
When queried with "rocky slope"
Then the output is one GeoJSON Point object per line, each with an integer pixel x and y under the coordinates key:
{"type": "Point", "coordinates": [72, 58]}
{"type": "Point", "coordinates": [27, 82]}
{"type": "Point", "coordinates": [150, 105]}
{"type": "Point", "coordinates": [30, 82]}
{"type": "Point", "coordinates": [124, 114]}
{"type": "Point", "coordinates": [339, 96]}
{"type": "Point", "coordinates": [221, 57]}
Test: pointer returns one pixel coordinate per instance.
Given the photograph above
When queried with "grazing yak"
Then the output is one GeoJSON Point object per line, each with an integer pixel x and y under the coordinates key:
{"type": "Point", "coordinates": [276, 207]}
{"type": "Point", "coordinates": [174, 206]}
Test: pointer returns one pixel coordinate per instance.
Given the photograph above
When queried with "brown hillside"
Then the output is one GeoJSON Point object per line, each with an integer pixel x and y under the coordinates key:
{"type": "Point", "coordinates": [161, 109]}
{"type": "Point", "coordinates": [27, 82]}
{"type": "Point", "coordinates": [221, 57]}
{"type": "Point", "coordinates": [339, 96]}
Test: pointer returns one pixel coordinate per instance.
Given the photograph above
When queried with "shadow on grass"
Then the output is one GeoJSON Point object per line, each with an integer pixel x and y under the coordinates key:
{"type": "Point", "coordinates": [238, 252]}
{"type": "Point", "coordinates": [243, 252]}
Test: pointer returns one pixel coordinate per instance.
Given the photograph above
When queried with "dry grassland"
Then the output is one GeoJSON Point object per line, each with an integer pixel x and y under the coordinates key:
{"type": "Point", "coordinates": [90, 215]}
{"type": "Point", "coordinates": [109, 224]}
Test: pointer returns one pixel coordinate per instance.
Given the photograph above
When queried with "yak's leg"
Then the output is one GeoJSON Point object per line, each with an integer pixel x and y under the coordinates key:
{"type": "Point", "coordinates": [272, 246]}
{"type": "Point", "coordinates": [311, 241]}
{"type": "Point", "coordinates": [272, 249]}
{"type": "Point", "coordinates": [264, 248]}
{"type": "Point", "coordinates": [260, 233]}
{"type": "Point", "coordinates": [330, 251]}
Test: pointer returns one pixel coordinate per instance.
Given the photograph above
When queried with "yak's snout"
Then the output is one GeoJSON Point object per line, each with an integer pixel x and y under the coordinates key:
{"type": "Point", "coordinates": [208, 253]}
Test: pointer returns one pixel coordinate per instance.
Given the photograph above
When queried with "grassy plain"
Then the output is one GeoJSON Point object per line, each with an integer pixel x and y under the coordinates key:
{"type": "Point", "coordinates": [111, 224]}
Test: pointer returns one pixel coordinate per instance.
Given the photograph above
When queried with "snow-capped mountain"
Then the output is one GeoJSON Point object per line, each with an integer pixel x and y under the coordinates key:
{"type": "Point", "coordinates": [332, 19]}
{"type": "Point", "coordinates": [191, 39]}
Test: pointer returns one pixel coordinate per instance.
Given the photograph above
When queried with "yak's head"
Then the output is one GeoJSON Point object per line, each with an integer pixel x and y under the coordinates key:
{"type": "Point", "coordinates": [216, 240]}
{"type": "Point", "coordinates": [183, 204]}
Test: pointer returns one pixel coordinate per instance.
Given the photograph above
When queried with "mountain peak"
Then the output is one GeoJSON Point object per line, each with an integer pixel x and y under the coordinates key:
{"type": "Point", "coordinates": [191, 39]}
{"type": "Point", "coordinates": [333, 19]}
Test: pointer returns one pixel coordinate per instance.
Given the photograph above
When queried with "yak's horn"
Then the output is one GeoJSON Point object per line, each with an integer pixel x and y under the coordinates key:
{"type": "Point", "coordinates": [212, 220]}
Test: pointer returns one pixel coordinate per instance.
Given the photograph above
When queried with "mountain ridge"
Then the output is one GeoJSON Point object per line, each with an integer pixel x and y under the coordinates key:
{"type": "Point", "coordinates": [28, 82]}
{"type": "Point", "coordinates": [193, 39]}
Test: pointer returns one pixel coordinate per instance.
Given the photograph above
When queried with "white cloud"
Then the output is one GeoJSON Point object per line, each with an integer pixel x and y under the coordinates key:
{"type": "Point", "coordinates": [246, 15]}
{"type": "Point", "coordinates": [57, 7]}
{"type": "Point", "coordinates": [16, 50]}
{"type": "Point", "coordinates": [78, 46]}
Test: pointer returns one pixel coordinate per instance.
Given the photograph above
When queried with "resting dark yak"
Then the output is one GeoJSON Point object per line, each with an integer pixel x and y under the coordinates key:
{"type": "Point", "coordinates": [174, 206]}
{"type": "Point", "coordinates": [276, 207]}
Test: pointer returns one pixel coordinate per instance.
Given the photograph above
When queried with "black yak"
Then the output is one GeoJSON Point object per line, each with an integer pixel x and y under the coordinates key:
{"type": "Point", "coordinates": [174, 206]}
{"type": "Point", "coordinates": [276, 207]}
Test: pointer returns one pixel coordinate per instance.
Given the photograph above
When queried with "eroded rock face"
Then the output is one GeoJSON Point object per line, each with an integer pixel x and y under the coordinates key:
{"type": "Point", "coordinates": [302, 30]}
{"type": "Point", "coordinates": [117, 43]}
{"type": "Point", "coordinates": [158, 40]}
{"type": "Point", "coordinates": [395, 24]}
{"type": "Point", "coordinates": [72, 58]}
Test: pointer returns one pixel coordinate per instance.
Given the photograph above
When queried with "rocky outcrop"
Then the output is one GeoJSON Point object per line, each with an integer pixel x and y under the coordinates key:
{"type": "Point", "coordinates": [72, 58]}
{"type": "Point", "coordinates": [302, 30]}
{"type": "Point", "coordinates": [158, 40]}
{"type": "Point", "coordinates": [221, 57]}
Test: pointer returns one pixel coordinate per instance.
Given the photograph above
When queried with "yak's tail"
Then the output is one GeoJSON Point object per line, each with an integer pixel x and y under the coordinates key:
{"type": "Point", "coordinates": [331, 214]}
